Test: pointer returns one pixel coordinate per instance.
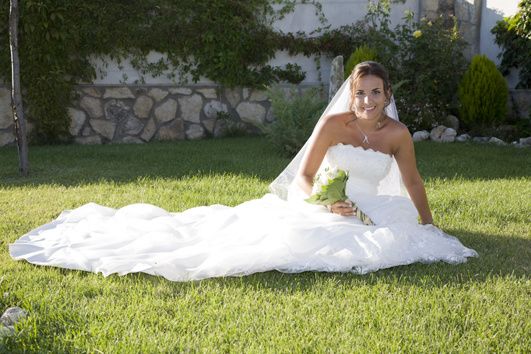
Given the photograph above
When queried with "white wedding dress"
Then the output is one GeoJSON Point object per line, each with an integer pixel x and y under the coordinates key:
{"type": "Point", "coordinates": [260, 235]}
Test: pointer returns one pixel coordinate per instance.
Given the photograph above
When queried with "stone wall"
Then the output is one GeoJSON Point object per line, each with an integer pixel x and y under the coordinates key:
{"type": "Point", "coordinates": [105, 113]}
{"type": "Point", "coordinates": [138, 114]}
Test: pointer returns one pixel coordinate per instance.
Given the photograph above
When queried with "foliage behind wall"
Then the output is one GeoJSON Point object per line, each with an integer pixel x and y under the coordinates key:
{"type": "Point", "coordinates": [513, 34]}
{"type": "Point", "coordinates": [229, 42]}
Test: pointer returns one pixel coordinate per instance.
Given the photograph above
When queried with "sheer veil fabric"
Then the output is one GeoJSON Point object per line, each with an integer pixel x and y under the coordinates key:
{"type": "Point", "coordinates": [284, 187]}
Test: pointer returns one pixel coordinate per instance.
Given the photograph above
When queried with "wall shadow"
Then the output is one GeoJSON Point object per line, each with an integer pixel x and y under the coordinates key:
{"type": "Point", "coordinates": [79, 165]}
{"type": "Point", "coordinates": [249, 156]}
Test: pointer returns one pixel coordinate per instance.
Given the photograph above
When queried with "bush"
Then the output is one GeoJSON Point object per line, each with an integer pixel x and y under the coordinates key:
{"type": "Point", "coordinates": [483, 94]}
{"type": "Point", "coordinates": [59, 42]}
{"type": "Point", "coordinates": [361, 54]}
{"type": "Point", "coordinates": [513, 34]}
{"type": "Point", "coordinates": [295, 117]}
{"type": "Point", "coordinates": [419, 55]}
{"type": "Point", "coordinates": [231, 126]}
{"type": "Point", "coordinates": [431, 65]}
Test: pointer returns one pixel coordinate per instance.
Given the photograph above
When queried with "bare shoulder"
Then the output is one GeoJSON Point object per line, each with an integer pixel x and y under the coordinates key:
{"type": "Point", "coordinates": [327, 130]}
{"type": "Point", "coordinates": [335, 122]}
{"type": "Point", "coordinates": [397, 126]}
{"type": "Point", "coordinates": [397, 129]}
{"type": "Point", "coordinates": [338, 118]}
{"type": "Point", "coordinates": [398, 133]}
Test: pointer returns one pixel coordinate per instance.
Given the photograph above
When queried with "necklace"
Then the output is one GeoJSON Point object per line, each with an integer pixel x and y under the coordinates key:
{"type": "Point", "coordinates": [364, 135]}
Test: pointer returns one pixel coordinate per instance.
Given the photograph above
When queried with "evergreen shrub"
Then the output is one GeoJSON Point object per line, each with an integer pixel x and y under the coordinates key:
{"type": "Point", "coordinates": [361, 54]}
{"type": "Point", "coordinates": [295, 117]}
{"type": "Point", "coordinates": [483, 94]}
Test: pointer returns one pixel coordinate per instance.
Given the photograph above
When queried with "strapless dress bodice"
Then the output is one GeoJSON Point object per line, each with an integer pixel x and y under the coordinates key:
{"type": "Point", "coordinates": [366, 167]}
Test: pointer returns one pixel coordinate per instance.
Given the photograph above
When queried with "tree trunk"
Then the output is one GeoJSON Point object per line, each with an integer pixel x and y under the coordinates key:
{"type": "Point", "coordinates": [16, 96]}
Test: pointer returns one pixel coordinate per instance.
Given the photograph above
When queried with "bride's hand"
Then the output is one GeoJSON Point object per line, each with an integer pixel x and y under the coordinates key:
{"type": "Point", "coordinates": [343, 208]}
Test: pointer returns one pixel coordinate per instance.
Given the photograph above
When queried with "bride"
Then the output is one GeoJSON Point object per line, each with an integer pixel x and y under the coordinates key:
{"type": "Point", "coordinates": [359, 133]}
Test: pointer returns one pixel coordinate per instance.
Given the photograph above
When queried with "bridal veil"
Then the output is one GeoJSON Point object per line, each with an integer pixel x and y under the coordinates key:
{"type": "Point", "coordinates": [391, 184]}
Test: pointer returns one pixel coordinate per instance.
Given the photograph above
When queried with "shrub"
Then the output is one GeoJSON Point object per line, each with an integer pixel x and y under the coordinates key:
{"type": "Point", "coordinates": [361, 54]}
{"type": "Point", "coordinates": [513, 34]}
{"type": "Point", "coordinates": [60, 40]}
{"type": "Point", "coordinates": [482, 94]}
{"type": "Point", "coordinates": [295, 117]}
{"type": "Point", "coordinates": [431, 65]}
{"type": "Point", "coordinates": [424, 58]}
{"type": "Point", "coordinates": [231, 126]}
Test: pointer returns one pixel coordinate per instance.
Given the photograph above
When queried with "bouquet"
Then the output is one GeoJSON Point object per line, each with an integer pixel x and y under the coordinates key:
{"type": "Point", "coordinates": [333, 191]}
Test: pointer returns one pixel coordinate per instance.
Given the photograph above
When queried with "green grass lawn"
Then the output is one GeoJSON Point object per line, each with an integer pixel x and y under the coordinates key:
{"type": "Point", "coordinates": [480, 193]}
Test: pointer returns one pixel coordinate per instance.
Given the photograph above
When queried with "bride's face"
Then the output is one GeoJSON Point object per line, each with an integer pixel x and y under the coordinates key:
{"type": "Point", "coordinates": [369, 97]}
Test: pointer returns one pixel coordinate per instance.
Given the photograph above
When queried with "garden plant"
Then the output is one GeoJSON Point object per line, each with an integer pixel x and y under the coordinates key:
{"type": "Point", "coordinates": [483, 94]}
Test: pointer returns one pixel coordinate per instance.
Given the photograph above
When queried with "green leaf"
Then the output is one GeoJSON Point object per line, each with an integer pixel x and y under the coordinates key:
{"type": "Point", "coordinates": [331, 192]}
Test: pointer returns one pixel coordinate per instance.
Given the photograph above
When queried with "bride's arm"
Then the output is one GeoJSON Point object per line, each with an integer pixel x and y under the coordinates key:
{"type": "Point", "coordinates": [318, 144]}
{"type": "Point", "coordinates": [405, 157]}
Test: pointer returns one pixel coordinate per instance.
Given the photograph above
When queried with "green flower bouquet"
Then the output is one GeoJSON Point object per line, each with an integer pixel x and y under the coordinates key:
{"type": "Point", "coordinates": [333, 191]}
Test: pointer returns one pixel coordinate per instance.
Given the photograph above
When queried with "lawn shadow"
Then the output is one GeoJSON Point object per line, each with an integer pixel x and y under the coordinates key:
{"type": "Point", "coordinates": [499, 256]}
{"type": "Point", "coordinates": [251, 156]}
{"type": "Point", "coordinates": [121, 164]}
{"type": "Point", "coordinates": [472, 161]}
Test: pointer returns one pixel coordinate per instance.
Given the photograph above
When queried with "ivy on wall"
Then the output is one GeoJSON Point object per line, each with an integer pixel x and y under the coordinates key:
{"type": "Point", "coordinates": [50, 63]}
{"type": "Point", "coordinates": [227, 41]}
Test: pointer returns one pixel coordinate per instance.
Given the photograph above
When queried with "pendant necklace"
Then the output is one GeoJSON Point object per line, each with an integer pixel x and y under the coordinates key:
{"type": "Point", "coordinates": [364, 135]}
